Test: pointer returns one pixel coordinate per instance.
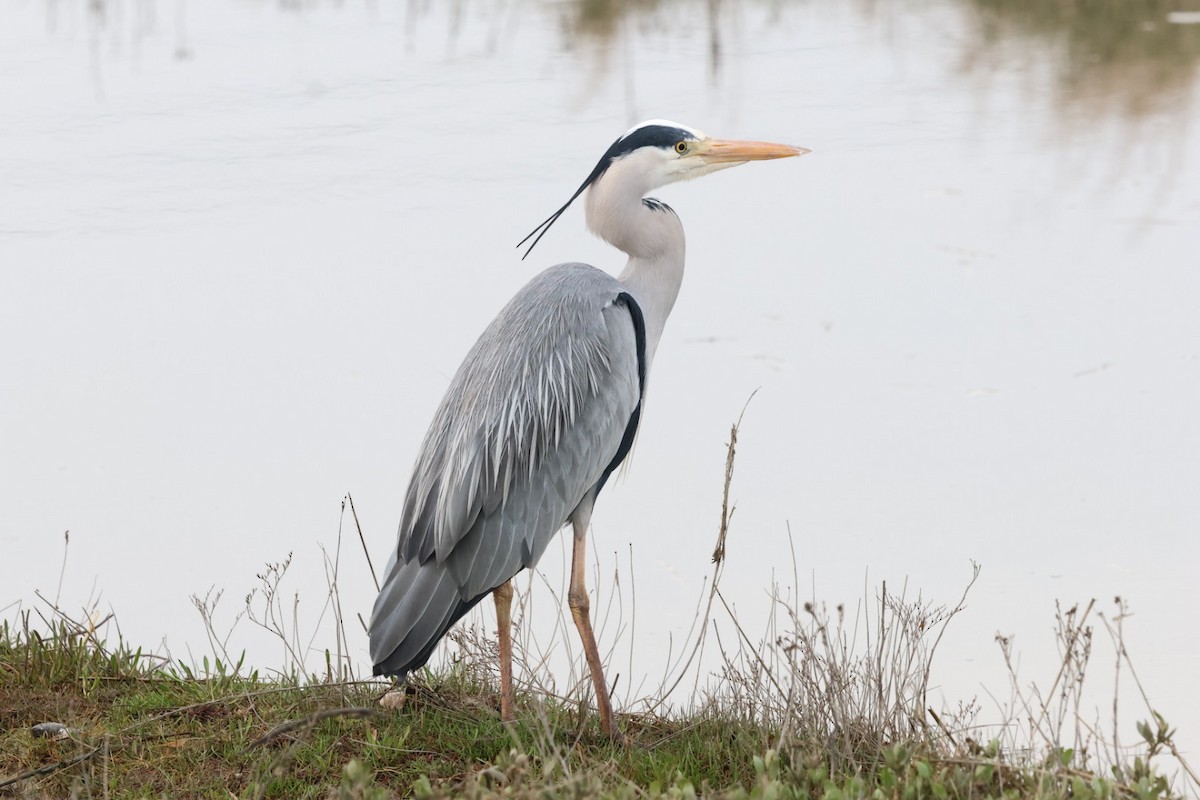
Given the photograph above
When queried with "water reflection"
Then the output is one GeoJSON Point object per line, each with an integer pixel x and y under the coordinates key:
{"type": "Point", "coordinates": [1129, 58]}
{"type": "Point", "coordinates": [1132, 57]}
{"type": "Point", "coordinates": [600, 21]}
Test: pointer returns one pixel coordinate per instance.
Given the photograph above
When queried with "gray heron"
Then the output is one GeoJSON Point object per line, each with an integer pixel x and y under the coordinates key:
{"type": "Point", "coordinates": [542, 410]}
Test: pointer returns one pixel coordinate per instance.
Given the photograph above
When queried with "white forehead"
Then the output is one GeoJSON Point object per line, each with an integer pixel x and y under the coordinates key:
{"type": "Point", "coordinates": [666, 123]}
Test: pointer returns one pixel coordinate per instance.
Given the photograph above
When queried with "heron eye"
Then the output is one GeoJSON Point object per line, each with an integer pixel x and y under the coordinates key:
{"type": "Point", "coordinates": [681, 147]}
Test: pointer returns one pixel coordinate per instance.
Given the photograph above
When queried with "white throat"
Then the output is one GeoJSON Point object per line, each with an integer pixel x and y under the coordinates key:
{"type": "Point", "coordinates": [650, 234]}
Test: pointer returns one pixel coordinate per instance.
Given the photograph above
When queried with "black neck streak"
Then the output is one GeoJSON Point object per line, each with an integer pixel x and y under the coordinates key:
{"type": "Point", "coordinates": [639, 334]}
{"type": "Point", "coordinates": [654, 204]}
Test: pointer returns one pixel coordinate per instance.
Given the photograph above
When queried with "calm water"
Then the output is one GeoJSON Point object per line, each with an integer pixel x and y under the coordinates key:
{"type": "Point", "coordinates": [243, 246]}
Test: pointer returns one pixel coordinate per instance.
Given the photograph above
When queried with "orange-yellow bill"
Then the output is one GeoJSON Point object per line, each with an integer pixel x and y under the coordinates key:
{"type": "Point", "coordinates": [725, 151]}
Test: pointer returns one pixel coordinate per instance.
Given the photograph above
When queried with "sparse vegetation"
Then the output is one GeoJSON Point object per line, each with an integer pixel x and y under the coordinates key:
{"type": "Point", "coordinates": [826, 706]}
{"type": "Point", "coordinates": [138, 728]}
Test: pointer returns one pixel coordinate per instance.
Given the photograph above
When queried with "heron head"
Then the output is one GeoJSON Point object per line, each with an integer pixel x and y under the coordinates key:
{"type": "Point", "coordinates": [658, 152]}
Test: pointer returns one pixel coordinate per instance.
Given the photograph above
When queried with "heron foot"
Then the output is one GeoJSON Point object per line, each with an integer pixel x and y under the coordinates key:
{"type": "Point", "coordinates": [394, 699]}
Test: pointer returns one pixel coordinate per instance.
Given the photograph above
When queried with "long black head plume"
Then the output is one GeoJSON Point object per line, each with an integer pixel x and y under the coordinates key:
{"type": "Point", "coordinates": [540, 230]}
{"type": "Point", "coordinates": [656, 133]}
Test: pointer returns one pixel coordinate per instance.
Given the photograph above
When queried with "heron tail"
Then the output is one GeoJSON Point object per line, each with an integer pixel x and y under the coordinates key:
{"type": "Point", "coordinates": [415, 608]}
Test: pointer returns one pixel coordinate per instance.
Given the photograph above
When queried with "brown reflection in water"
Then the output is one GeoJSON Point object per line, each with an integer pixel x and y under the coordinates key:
{"type": "Point", "coordinates": [1106, 57]}
{"type": "Point", "coordinates": [605, 22]}
{"type": "Point", "coordinates": [601, 18]}
{"type": "Point", "coordinates": [1131, 57]}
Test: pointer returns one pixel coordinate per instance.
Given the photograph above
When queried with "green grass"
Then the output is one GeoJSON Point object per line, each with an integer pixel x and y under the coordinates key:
{"type": "Point", "coordinates": [159, 732]}
{"type": "Point", "coordinates": [809, 711]}
{"type": "Point", "coordinates": [141, 728]}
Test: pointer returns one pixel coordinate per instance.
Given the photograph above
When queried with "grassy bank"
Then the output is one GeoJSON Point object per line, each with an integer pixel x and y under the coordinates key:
{"type": "Point", "coordinates": [138, 727]}
{"type": "Point", "coordinates": [823, 705]}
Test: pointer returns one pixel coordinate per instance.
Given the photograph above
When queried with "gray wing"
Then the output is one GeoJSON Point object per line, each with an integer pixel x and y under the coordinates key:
{"type": "Point", "coordinates": [537, 415]}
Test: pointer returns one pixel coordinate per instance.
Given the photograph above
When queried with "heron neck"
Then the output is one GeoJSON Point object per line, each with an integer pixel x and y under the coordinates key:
{"type": "Point", "coordinates": [650, 233]}
{"type": "Point", "coordinates": [654, 283]}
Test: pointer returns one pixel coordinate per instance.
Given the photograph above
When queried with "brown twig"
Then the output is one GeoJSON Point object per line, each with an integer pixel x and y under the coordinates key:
{"type": "Point", "coordinates": [363, 539]}
{"type": "Point", "coordinates": [718, 561]}
{"type": "Point", "coordinates": [49, 768]}
{"type": "Point", "coordinates": [308, 723]}
{"type": "Point", "coordinates": [1069, 648]}
{"type": "Point", "coordinates": [941, 725]}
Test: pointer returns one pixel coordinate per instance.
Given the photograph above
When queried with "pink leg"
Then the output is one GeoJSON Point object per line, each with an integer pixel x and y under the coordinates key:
{"type": "Point", "coordinates": [502, 595]}
{"type": "Point", "coordinates": [577, 599]}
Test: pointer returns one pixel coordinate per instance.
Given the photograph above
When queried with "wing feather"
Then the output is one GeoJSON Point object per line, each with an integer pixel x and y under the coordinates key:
{"type": "Point", "coordinates": [529, 425]}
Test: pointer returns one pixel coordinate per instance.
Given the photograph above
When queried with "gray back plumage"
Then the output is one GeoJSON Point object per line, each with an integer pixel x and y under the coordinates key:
{"type": "Point", "coordinates": [529, 424]}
